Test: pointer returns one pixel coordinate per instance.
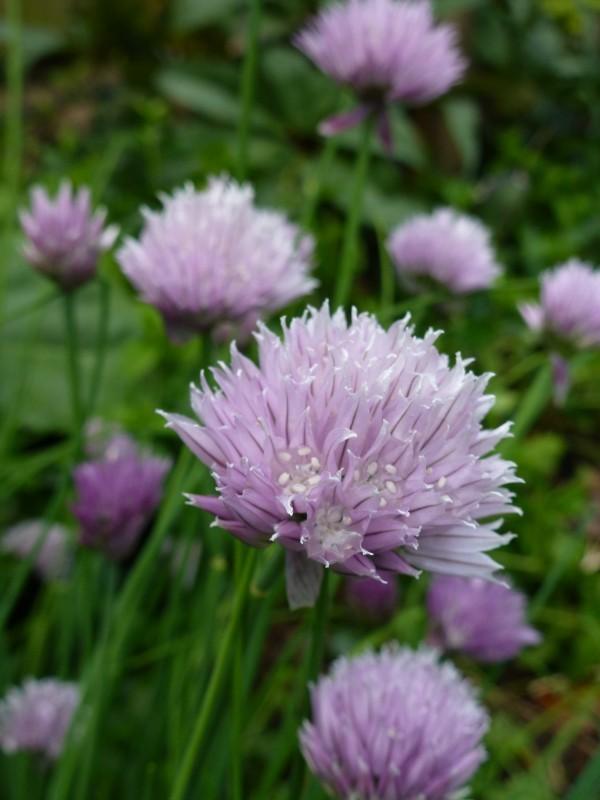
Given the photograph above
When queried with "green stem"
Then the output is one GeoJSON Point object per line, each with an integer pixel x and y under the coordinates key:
{"type": "Point", "coordinates": [93, 721]}
{"type": "Point", "coordinates": [248, 85]}
{"type": "Point", "coordinates": [315, 181]}
{"type": "Point", "coordinates": [21, 572]}
{"type": "Point", "coordinates": [73, 367]}
{"type": "Point", "coordinates": [101, 338]}
{"type": "Point", "coordinates": [108, 658]}
{"type": "Point", "coordinates": [349, 248]}
{"type": "Point", "coordinates": [534, 402]}
{"type": "Point", "coordinates": [45, 298]}
{"type": "Point", "coordinates": [312, 668]}
{"type": "Point", "coordinates": [237, 691]}
{"type": "Point", "coordinates": [216, 681]}
{"type": "Point", "coordinates": [13, 131]}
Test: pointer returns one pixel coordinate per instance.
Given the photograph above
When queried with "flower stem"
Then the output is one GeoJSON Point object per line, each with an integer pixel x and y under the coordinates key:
{"type": "Point", "coordinates": [312, 667]}
{"type": "Point", "coordinates": [216, 681]}
{"type": "Point", "coordinates": [237, 691]}
{"type": "Point", "coordinates": [13, 131]}
{"type": "Point", "coordinates": [73, 367]}
{"type": "Point", "coordinates": [101, 338]}
{"type": "Point", "coordinates": [349, 247]}
{"type": "Point", "coordinates": [248, 83]}
{"type": "Point", "coordinates": [534, 402]}
{"type": "Point", "coordinates": [314, 183]}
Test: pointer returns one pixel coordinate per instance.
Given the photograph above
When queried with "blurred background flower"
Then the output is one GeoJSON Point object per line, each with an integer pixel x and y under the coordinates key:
{"type": "Point", "coordinates": [65, 236]}
{"type": "Point", "coordinates": [394, 724]}
{"type": "Point", "coordinates": [36, 716]}
{"type": "Point", "coordinates": [212, 261]}
{"type": "Point", "coordinates": [485, 620]}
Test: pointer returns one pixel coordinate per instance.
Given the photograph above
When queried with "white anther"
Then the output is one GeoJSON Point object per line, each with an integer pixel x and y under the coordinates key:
{"type": "Point", "coordinates": [390, 469]}
{"type": "Point", "coordinates": [283, 478]}
{"type": "Point", "coordinates": [298, 488]}
{"type": "Point", "coordinates": [442, 482]}
{"type": "Point", "coordinates": [285, 456]}
{"type": "Point", "coordinates": [314, 480]}
{"type": "Point", "coordinates": [304, 451]}
{"type": "Point", "coordinates": [372, 468]}
{"type": "Point", "coordinates": [390, 486]}
{"type": "Point", "coordinates": [382, 502]}
{"type": "Point", "coordinates": [315, 463]}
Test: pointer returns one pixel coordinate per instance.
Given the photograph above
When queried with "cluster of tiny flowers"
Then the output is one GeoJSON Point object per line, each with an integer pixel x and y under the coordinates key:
{"type": "Point", "coordinates": [483, 619]}
{"type": "Point", "coordinates": [36, 716]}
{"type": "Point", "coordinates": [452, 249]}
{"type": "Point", "coordinates": [569, 304]}
{"type": "Point", "coordinates": [116, 496]}
{"type": "Point", "coordinates": [362, 447]}
{"type": "Point", "coordinates": [53, 558]}
{"type": "Point", "coordinates": [386, 50]}
{"type": "Point", "coordinates": [211, 258]}
{"type": "Point", "coordinates": [394, 725]}
{"type": "Point", "coordinates": [64, 237]}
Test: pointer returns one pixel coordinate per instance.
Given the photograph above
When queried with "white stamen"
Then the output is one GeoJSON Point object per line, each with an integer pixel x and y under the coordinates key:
{"type": "Point", "coordinates": [285, 457]}
{"type": "Point", "coordinates": [372, 468]}
{"type": "Point", "coordinates": [304, 451]}
{"type": "Point", "coordinates": [390, 486]}
{"type": "Point", "coordinates": [299, 488]}
{"type": "Point", "coordinates": [283, 478]}
{"type": "Point", "coordinates": [390, 469]}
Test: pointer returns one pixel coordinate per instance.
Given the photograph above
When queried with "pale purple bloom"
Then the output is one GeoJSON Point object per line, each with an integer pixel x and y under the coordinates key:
{"type": "Point", "coordinates": [361, 447]}
{"type": "Point", "coordinates": [64, 236]}
{"type": "Point", "coordinates": [36, 716]}
{"type": "Point", "coordinates": [451, 248]}
{"type": "Point", "coordinates": [373, 599]}
{"type": "Point", "coordinates": [394, 725]}
{"type": "Point", "coordinates": [212, 260]}
{"type": "Point", "coordinates": [53, 557]}
{"type": "Point", "coordinates": [483, 619]}
{"type": "Point", "coordinates": [569, 304]}
{"type": "Point", "coordinates": [115, 498]}
{"type": "Point", "coordinates": [387, 51]}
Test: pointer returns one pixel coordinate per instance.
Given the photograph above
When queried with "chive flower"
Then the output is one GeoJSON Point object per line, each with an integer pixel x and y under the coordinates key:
{"type": "Point", "coordinates": [362, 448]}
{"type": "Point", "coordinates": [212, 261]}
{"type": "Point", "coordinates": [569, 306]}
{"type": "Point", "coordinates": [36, 716]}
{"type": "Point", "coordinates": [483, 619]}
{"type": "Point", "coordinates": [387, 51]}
{"type": "Point", "coordinates": [394, 725]}
{"type": "Point", "coordinates": [452, 249]}
{"type": "Point", "coordinates": [64, 236]}
{"type": "Point", "coordinates": [115, 497]}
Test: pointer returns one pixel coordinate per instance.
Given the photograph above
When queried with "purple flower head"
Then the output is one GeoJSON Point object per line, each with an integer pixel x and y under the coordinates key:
{"type": "Point", "coordinates": [116, 496]}
{"type": "Point", "coordinates": [361, 447]}
{"type": "Point", "coordinates": [36, 716]}
{"type": "Point", "coordinates": [372, 599]}
{"type": "Point", "coordinates": [64, 237]}
{"type": "Point", "coordinates": [53, 558]}
{"type": "Point", "coordinates": [211, 260]}
{"type": "Point", "coordinates": [394, 725]}
{"type": "Point", "coordinates": [484, 619]}
{"type": "Point", "coordinates": [386, 50]}
{"type": "Point", "coordinates": [452, 249]}
{"type": "Point", "coordinates": [569, 305]}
